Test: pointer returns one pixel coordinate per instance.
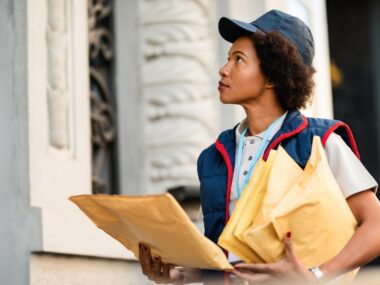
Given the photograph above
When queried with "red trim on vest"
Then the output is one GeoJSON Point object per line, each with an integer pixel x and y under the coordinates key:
{"type": "Point", "coordinates": [220, 147]}
{"type": "Point", "coordinates": [284, 136]}
{"type": "Point", "coordinates": [349, 133]}
{"type": "Point", "coordinates": [227, 160]}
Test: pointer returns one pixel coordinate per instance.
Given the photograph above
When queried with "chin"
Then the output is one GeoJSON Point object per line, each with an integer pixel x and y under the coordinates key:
{"type": "Point", "coordinates": [225, 99]}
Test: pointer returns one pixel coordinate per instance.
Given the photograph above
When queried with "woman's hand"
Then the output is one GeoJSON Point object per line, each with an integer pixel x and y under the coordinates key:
{"type": "Point", "coordinates": [157, 270]}
{"type": "Point", "coordinates": [290, 267]}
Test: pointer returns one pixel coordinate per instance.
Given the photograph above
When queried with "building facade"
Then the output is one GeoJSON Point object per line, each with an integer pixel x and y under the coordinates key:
{"type": "Point", "coordinates": [112, 97]}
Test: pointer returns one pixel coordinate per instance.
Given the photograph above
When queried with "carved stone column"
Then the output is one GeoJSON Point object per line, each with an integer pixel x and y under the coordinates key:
{"type": "Point", "coordinates": [103, 117]}
{"type": "Point", "coordinates": [179, 88]}
{"type": "Point", "coordinates": [57, 71]}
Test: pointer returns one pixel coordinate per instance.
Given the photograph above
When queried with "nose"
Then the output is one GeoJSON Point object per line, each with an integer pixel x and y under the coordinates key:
{"type": "Point", "coordinates": [224, 70]}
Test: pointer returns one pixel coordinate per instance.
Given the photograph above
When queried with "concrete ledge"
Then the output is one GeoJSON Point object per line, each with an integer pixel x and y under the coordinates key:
{"type": "Point", "coordinates": [50, 269]}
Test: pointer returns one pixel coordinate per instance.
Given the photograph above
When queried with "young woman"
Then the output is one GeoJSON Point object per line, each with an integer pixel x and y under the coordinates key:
{"type": "Point", "coordinates": [269, 73]}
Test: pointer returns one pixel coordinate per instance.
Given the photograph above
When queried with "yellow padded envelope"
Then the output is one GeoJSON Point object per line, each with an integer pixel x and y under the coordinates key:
{"type": "Point", "coordinates": [313, 209]}
{"type": "Point", "coordinates": [245, 212]}
{"type": "Point", "coordinates": [281, 197]}
{"type": "Point", "coordinates": [311, 206]}
{"type": "Point", "coordinates": [157, 220]}
{"type": "Point", "coordinates": [284, 173]}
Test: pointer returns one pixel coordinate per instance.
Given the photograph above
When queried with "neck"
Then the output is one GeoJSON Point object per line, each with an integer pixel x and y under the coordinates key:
{"type": "Point", "coordinates": [259, 116]}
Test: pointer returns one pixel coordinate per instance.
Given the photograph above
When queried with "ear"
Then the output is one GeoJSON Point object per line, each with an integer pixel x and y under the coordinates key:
{"type": "Point", "coordinates": [269, 84]}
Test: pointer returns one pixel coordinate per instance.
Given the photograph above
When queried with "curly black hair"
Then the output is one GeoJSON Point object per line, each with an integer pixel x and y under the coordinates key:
{"type": "Point", "coordinates": [282, 65]}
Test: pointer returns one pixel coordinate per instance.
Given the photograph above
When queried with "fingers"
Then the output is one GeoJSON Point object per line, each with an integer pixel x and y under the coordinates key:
{"type": "Point", "coordinates": [177, 275]}
{"type": "Point", "coordinates": [140, 252]}
{"type": "Point", "coordinates": [142, 257]}
{"type": "Point", "coordinates": [253, 277]}
{"type": "Point", "coordinates": [157, 265]}
{"type": "Point", "coordinates": [145, 260]}
{"type": "Point", "coordinates": [157, 271]}
{"type": "Point", "coordinates": [289, 250]}
{"type": "Point", "coordinates": [166, 270]}
{"type": "Point", "coordinates": [161, 270]}
{"type": "Point", "coordinates": [255, 267]}
{"type": "Point", "coordinates": [154, 268]}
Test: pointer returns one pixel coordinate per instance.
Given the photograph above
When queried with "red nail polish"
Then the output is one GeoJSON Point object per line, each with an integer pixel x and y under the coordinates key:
{"type": "Point", "coordinates": [288, 234]}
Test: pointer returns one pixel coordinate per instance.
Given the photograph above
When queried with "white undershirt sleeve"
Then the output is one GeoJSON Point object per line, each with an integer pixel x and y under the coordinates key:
{"type": "Point", "coordinates": [348, 170]}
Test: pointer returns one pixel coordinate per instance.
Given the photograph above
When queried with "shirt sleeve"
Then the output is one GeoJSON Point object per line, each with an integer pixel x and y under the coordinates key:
{"type": "Point", "coordinates": [349, 172]}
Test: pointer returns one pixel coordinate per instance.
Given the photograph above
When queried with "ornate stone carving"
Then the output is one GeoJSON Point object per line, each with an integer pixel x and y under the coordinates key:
{"type": "Point", "coordinates": [57, 71]}
{"type": "Point", "coordinates": [179, 88]}
{"type": "Point", "coordinates": [103, 119]}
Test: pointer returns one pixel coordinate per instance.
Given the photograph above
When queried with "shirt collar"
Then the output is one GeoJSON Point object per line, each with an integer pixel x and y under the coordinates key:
{"type": "Point", "coordinates": [243, 124]}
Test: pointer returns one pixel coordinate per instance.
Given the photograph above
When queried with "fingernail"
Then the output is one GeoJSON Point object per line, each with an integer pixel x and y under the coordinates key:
{"type": "Point", "coordinates": [288, 234]}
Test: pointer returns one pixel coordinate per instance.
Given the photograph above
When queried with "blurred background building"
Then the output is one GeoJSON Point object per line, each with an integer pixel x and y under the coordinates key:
{"type": "Point", "coordinates": [120, 97]}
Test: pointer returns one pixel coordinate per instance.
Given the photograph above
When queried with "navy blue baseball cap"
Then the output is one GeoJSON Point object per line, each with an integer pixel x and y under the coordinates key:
{"type": "Point", "coordinates": [292, 28]}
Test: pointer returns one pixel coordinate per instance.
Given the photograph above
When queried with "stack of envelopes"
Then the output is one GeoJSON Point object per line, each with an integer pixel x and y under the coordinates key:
{"type": "Point", "coordinates": [282, 197]}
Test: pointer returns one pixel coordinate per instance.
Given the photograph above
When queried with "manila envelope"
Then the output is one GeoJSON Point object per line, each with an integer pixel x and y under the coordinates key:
{"type": "Point", "coordinates": [158, 221]}
{"type": "Point", "coordinates": [313, 208]}
{"type": "Point", "coordinates": [245, 212]}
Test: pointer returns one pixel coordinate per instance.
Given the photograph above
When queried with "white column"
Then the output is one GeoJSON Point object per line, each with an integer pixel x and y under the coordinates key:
{"type": "Point", "coordinates": [179, 88]}
{"type": "Point", "coordinates": [130, 104]}
{"type": "Point", "coordinates": [59, 127]}
{"type": "Point", "coordinates": [20, 227]}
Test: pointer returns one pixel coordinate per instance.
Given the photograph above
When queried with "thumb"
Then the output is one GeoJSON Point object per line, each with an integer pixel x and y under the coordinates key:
{"type": "Point", "coordinates": [289, 251]}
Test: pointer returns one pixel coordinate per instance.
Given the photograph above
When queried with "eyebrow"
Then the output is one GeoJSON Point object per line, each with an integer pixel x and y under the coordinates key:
{"type": "Point", "coordinates": [237, 51]}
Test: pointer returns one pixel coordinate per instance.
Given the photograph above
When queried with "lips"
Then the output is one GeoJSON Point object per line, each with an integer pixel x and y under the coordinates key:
{"type": "Point", "coordinates": [222, 84]}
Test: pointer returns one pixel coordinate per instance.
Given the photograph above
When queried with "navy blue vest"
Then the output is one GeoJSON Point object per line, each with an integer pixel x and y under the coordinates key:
{"type": "Point", "coordinates": [216, 163]}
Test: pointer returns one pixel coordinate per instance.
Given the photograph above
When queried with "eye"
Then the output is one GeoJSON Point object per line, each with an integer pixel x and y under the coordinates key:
{"type": "Point", "coordinates": [238, 58]}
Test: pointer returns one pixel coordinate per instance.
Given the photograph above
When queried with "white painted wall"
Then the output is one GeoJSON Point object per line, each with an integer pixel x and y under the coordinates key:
{"type": "Point", "coordinates": [59, 112]}
{"type": "Point", "coordinates": [20, 228]}
{"type": "Point", "coordinates": [58, 95]}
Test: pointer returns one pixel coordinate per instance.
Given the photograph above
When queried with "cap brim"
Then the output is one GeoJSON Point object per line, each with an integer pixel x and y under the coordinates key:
{"type": "Point", "coordinates": [231, 29]}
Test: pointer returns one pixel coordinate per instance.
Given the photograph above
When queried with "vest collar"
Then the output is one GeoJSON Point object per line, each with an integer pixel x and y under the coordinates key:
{"type": "Point", "coordinates": [292, 121]}
{"type": "Point", "coordinates": [226, 145]}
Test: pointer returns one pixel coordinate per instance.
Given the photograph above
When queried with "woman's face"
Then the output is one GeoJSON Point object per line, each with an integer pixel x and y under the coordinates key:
{"type": "Point", "coordinates": [242, 80]}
